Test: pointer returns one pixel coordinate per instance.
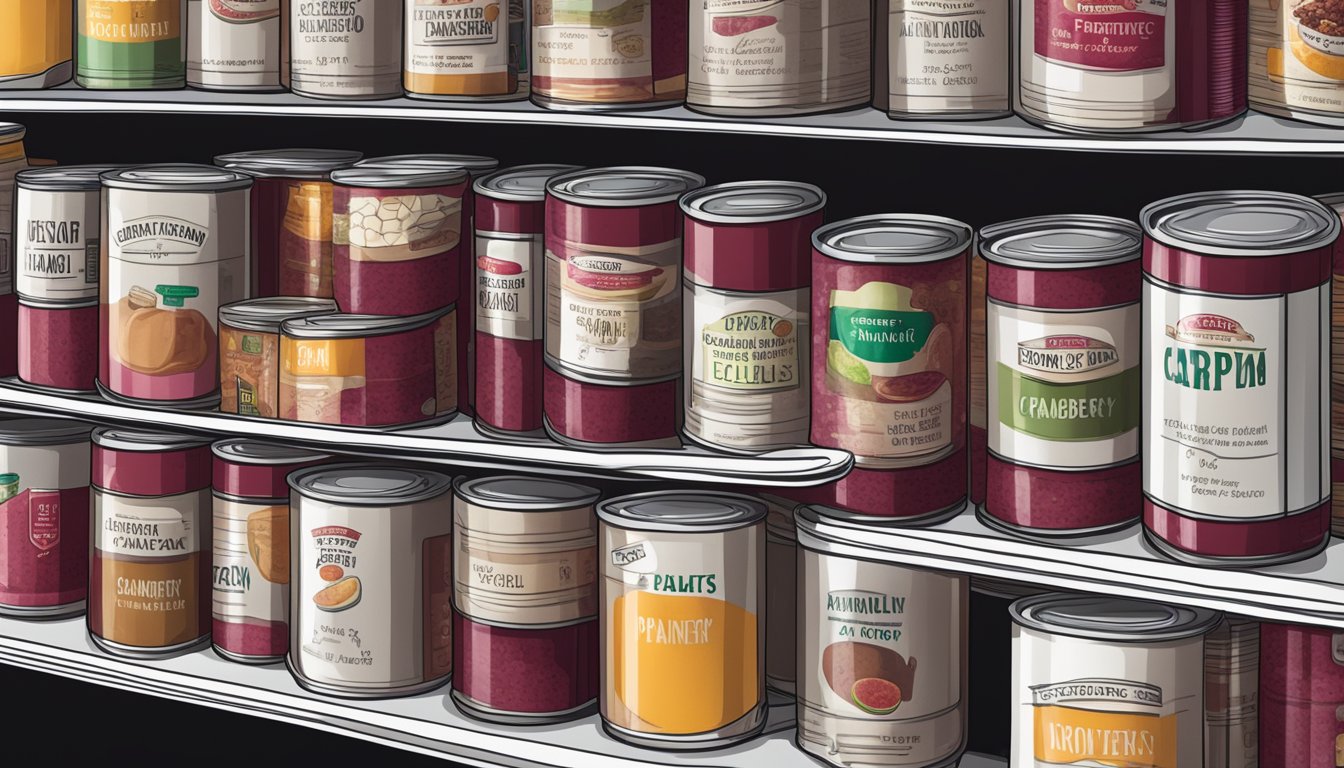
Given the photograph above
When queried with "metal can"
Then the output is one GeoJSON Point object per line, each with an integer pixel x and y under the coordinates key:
{"type": "Point", "coordinates": [175, 250]}
{"type": "Point", "coordinates": [882, 680]}
{"type": "Point", "coordinates": [12, 160]}
{"type": "Point", "coordinates": [149, 582]}
{"type": "Point", "coordinates": [233, 45]}
{"type": "Point", "coordinates": [942, 62]}
{"type": "Point", "coordinates": [1336, 202]}
{"type": "Point", "coordinates": [249, 351]}
{"type": "Point", "coordinates": [1297, 59]}
{"type": "Point", "coordinates": [131, 44]}
{"type": "Point", "coordinates": [747, 266]}
{"type": "Point", "coordinates": [683, 643]}
{"type": "Point", "coordinates": [1085, 665]}
{"type": "Point", "coordinates": [349, 50]}
{"type": "Point", "coordinates": [1232, 694]}
{"type": "Point", "coordinates": [462, 51]}
{"type": "Point", "coordinates": [781, 597]}
{"type": "Point", "coordinates": [1236, 297]}
{"type": "Point", "coordinates": [35, 42]}
{"type": "Point", "coordinates": [371, 603]}
{"type": "Point", "coordinates": [1301, 696]}
{"type": "Point", "coordinates": [1063, 375]}
{"type": "Point", "coordinates": [979, 389]}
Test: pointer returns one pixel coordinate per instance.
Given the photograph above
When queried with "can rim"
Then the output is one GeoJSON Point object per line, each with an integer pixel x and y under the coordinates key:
{"type": "Point", "coordinates": [35, 430]}
{"type": "Point", "coordinates": [996, 240]}
{"type": "Point", "coordinates": [675, 184]}
{"type": "Point", "coordinates": [176, 177]}
{"type": "Point", "coordinates": [64, 178]}
{"type": "Point", "coordinates": [738, 511]}
{"type": "Point", "coordinates": [264, 314]}
{"type": "Point", "coordinates": [293, 163]}
{"type": "Point", "coordinates": [144, 441]}
{"type": "Point", "coordinates": [398, 177]}
{"type": "Point", "coordinates": [1157, 219]}
{"type": "Point", "coordinates": [1131, 621]}
{"type": "Point", "coordinates": [489, 185]}
{"type": "Point", "coordinates": [10, 129]}
{"type": "Point", "coordinates": [245, 450]}
{"type": "Point", "coordinates": [958, 238]}
{"type": "Point", "coordinates": [417, 484]}
{"type": "Point", "coordinates": [809, 199]}
{"type": "Point", "coordinates": [477, 491]}
{"type": "Point", "coordinates": [564, 370]}
{"type": "Point", "coordinates": [337, 325]}
{"type": "Point", "coordinates": [472, 164]}
{"type": "Point", "coordinates": [38, 302]}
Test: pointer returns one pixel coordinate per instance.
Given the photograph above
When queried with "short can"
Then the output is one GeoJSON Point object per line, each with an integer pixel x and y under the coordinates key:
{"type": "Point", "coordinates": [781, 595]}
{"type": "Point", "coordinates": [249, 351]}
{"type": "Point", "coordinates": [1301, 696]}
{"type": "Point", "coordinates": [174, 250]}
{"type": "Point", "coordinates": [1062, 362]}
{"type": "Point", "coordinates": [1336, 201]}
{"type": "Point", "coordinates": [35, 43]}
{"type": "Point", "coordinates": [58, 343]}
{"type": "Point", "coordinates": [889, 361]}
{"type": "Point", "coordinates": [460, 51]}
{"type": "Point", "coordinates": [1140, 65]}
{"type": "Point", "coordinates": [371, 611]}
{"type": "Point", "coordinates": [12, 161]}
{"type": "Point", "coordinates": [1091, 664]}
{"type": "Point", "coordinates": [1236, 335]}
{"type": "Point", "coordinates": [44, 516]}
{"type": "Point", "coordinates": [1232, 694]}
{"type": "Point", "coordinates": [882, 673]}
{"type": "Point", "coordinates": [747, 268]}
{"type": "Point", "coordinates": [149, 581]}
{"type": "Point", "coordinates": [1296, 60]}
{"type": "Point", "coordinates": [525, 594]}
{"type": "Point", "coordinates": [233, 45]}
{"type": "Point", "coordinates": [250, 572]}
{"type": "Point", "coordinates": [131, 44]}
{"type": "Point", "coordinates": [939, 62]}
{"type": "Point", "coordinates": [347, 50]}
{"type": "Point", "coordinates": [764, 57]}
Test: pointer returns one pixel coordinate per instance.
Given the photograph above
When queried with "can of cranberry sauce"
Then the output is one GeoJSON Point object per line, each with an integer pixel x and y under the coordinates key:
{"type": "Point", "coordinates": [1336, 201]}
{"type": "Point", "coordinates": [1301, 696]}
{"type": "Point", "coordinates": [1063, 384]}
{"type": "Point", "coordinates": [1236, 334]}
{"type": "Point", "coordinates": [12, 160]}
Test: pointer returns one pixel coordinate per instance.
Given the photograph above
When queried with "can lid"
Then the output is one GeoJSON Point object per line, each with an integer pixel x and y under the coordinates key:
{"type": "Point", "coordinates": [753, 202]}
{"type": "Point", "coordinates": [398, 177]}
{"type": "Point", "coordinates": [1241, 223]}
{"type": "Point", "coordinates": [623, 186]}
{"type": "Point", "coordinates": [40, 302]}
{"type": "Point", "coordinates": [1334, 200]}
{"type": "Point", "coordinates": [182, 177]}
{"type": "Point", "coordinates": [698, 512]}
{"type": "Point", "coordinates": [1116, 619]}
{"type": "Point", "coordinates": [522, 493]}
{"type": "Point", "coordinates": [476, 165]}
{"type": "Point", "coordinates": [119, 439]}
{"type": "Point", "coordinates": [64, 178]}
{"type": "Point", "coordinates": [11, 130]}
{"type": "Point", "coordinates": [524, 183]}
{"type": "Point", "coordinates": [886, 238]}
{"type": "Point", "coordinates": [242, 450]}
{"type": "Point", "coordinates": [361, 485]}
{"type": "Point", "coordinates": [342, 326]}
{"type": "Point", "coordinates": [1062, 242]}
{"type": "Point", "coordinates": [265, 315]}
{"type": "Point", "coordinates": [36, 431]}
{"type": "Point", "coordinates": [291, 163]}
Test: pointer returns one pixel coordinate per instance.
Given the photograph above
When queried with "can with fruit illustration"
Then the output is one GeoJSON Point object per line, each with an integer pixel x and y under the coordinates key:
{"type": "Point", "coordinates": [1296, 61]}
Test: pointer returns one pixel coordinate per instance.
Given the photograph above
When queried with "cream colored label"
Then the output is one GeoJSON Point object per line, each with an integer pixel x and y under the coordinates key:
{"type": "Point", "coordinates": [509, 291]}
{"type": "Point", "coordinates": [466, 37]}
{"type": "Point", "coordinates": [250, 568]}
{"type": "Point", "coordinates": [598, 40]}
{"type": "Point", "coordinates": [1296, 55]}
{"type": "Point", "coordinates": [234, 42]}
{"type": "Point", "coordinates": [156, 528]}
{"type": "Point", "coordinates": [345, 47]}
{"type": "Point", "coordinates": [57, 241]}
{"type": "Point", "coordinates": [948, 55]}
{"type": "Point", "coordinates": [404, 227]}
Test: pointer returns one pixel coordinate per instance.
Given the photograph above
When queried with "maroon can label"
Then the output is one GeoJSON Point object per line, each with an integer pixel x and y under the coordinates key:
{"type": "Point", "coordinates": [44, 524]}
{"type": "Point", "coordinates": [1124, 35]}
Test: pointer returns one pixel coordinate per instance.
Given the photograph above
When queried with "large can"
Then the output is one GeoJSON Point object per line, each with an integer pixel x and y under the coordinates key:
{"type": "Point", "coordinates": [371, 600]}
{"type": "Point", "coordinates": [249, 351]}
{"type": "Point", "coordinates": [131, 44]}
{"type": "Point", "coordinates": [1063, 374]}
{"type": "Point", "coordinates": [1336, 201]}
{"type": "Point", "coordinates": [460, 51]}
{"type": "Point", "coordinates": [344, 50]}
{"type": "Point", "coordinates": [233, 45]}
{"type": "Point", "coordinates": [12, 160]}
{"type": "Point", "coordinates": [882, 676]}
{"type": "Point", "coordinates": [174, 250]}
{"type": "Point", "coordinates": [35, 42]}
{"type": "Point", "coordinates": [1301, 696]}
{"type": "Point", "coordinates": [683, 640]}
{"type": "Point", "coordinates": [1232, 694]}
{"type": "Point", "coordinates": [1297, 59]}
{"type": "Point", "coordinates": [942, 62]}
{"type": "Point", "coordinates": [889, 362]}
{"type": "Point", "coordinates": [1236, 335]}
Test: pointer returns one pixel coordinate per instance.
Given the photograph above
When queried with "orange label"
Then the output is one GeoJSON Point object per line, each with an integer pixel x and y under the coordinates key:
{"type": "Point", "coordinates": [34, 35]}
{"type": "Point", "coordinates": [1067, 736]}
{"type": "Point", "coordinates": [308, 211]}
{"type": "Point", "coordinates": [132, 21]}
{"type": "Point", "coordinates": [322, 357]}
{"type": "Point", "coordinates": [11, 151]}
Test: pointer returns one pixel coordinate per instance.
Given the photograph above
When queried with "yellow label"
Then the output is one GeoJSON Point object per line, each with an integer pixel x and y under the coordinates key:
{"type": "Point", "coordinates": [132, 21]}
{"type": "Point", "coordinates": [34, 35]}
{"type": "Point", "coordinates": [11, 151]}
{"type": "Point", "coordinates": [322, 357]}
{"type": "Point", "coordinates": [308, 210]}
{"type": "Point", "coordinates": [1066, 736]}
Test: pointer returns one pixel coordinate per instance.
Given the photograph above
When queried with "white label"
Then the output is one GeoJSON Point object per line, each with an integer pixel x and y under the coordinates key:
{"type": "Point", "coordinates": [1293, 62]}
{"type": "Point", "coordinates": [346, 47]}
{"type": "Point", "coordinates": [8, 168]}
{"type": "Point", "coordinates": [250, 574]}
{"type": "Point", "coordinates": [163, 527]}
{"type": "Point", "coordinates": [469, 37]}
{"type": "Point", "coordinates": [233, 43]}
{"type": "Point", "coordinates": [948, 55]}
{"type": "Point", "coordinates": [602, 40]}
{"type": "Point", "coordinates": [58, 245]}
{"type": "Point", "coordinates": [508, 291]}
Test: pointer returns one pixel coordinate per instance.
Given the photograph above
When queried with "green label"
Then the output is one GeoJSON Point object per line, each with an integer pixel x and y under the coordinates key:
{"type": "Point", "coordinates": [1090, 410]}
{"type": "Point", "coordinates": [750, 350]}
{"type": "Point", "coordinates": [881, 335]}
{"type": "Point", "coordinates": [252, 344]}
{"type": "Point", "coordinates": [176, 295]}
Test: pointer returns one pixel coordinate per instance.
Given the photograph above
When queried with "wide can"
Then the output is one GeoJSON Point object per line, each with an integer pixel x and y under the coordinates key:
{"type": "Point", "coordinates": [1301, 696]}
{"type": "Point", "coordinates": [233, 45]}
{"type": "Point", "coordinates": [460, 51]}
{"type": "Point", "coordinates": [1297, 59]}
{"type": "Point", "coordinates": [249, 351]}
{"type": "Point", "coordinates": [131, 44]}
{"type": "Point", "coordinates": [35, 43]}
{"type": "Point", "coordinates": [941, 61]}
{"type": "Point", "coordinates": [344, 50]}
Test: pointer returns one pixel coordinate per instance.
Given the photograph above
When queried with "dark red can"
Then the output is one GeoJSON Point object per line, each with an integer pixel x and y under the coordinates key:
{"type": "Point", "coordinates": [58, 343]}
{"type": "Point", "coordinates": [1301, 696]}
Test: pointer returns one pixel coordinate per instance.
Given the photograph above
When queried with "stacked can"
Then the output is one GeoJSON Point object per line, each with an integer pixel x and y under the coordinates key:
{"type": "Point", "coordinates": [12, 160]}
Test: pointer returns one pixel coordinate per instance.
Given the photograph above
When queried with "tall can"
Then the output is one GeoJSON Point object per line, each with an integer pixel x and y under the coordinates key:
{"type": "Point", "coordinates": [460, 51]}
{"type": "Point", "coordinates": [1297, 59]}
{"type": "Point", "coordinates": [12, 160]}
{"type": "Point", "coordinates": [35, 43]}
{"type": "Point", "coordinates": [683, 643]}
{"type": "Point", "coordinates": [233, 45]}
{"type": "Point", "coordinates": [1232, 694]}
{"type": "Point", "coordinates": [1236, 297]}
{"type": "Point", "coordinates": [942, 62]}
{"type": "Point", "coordinates": [1301, 696]}
{"type": "Point", "coordinates": [131, 44]}
{"type": "Point", "coordinates": [344, 50]}
{"type": "Point", "coordinates": [1336, 201]}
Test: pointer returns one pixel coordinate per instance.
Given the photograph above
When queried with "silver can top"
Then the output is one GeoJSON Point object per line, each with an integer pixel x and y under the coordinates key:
{"type": "Point", "coordinates": [266, 314]}
{"type": "Point", "coordinates": [476, 165]}
{"type": "Point", "coordinates": [1112, 619]}
{"type": "Point", "coordinates": [623, 186]}
{"type": "Point", "coordinates": [247, 451]}
{"type": "Point", "coordinates": [1062, 242]}
{"type": "Point", "coordinates": [39, 431]}
{"type": "Point", "coordinates": [1241, 223]}
{"type": "Point", "coordinates": [362, 485]}
{"type": "Point", "coordinates": [893, 239]}
{"type": "Point", "coordinates": [753, 202]}
{"type": "Point", "coordinates": [181, 177]}
{"type": "Point", "coordinates": [342, 326]}
{"type": "Point", "coordinates": [290, 163]}
{"type": "Point", "coordinates": [523, 184]}
{"type": "Point", "coordinates": [684, 512]}
{"type": "Point", "coordinates": [64, 178]}
{"type": "Point", "coordinates": [522, 493]}
{"type": "Point", "coordinates": [121, 439]}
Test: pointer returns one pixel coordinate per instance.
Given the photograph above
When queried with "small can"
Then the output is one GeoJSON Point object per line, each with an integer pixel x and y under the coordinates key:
{"type": "Point", "coordinates": [35, 43]}
{"type": "Point", "coordinates": [149, 582]}
{"type": "Point", "coordinates": [747, 267]}
{"type": "Point", "coordinates": [510, 297]}
{"type": "Point", "coordinates": [1297, 59]}
{"type": "Point", "coordinates": [233, 45]}
{"type": "Point", "coordinates": [1336, 202]}
{"type": "Point", "coordinates": [251, 567]}
{"type": "Point", "coordinates": [1091, 664]}
{"type": "Point", "coordinates": [371, 604]}
{"type": "Point", "coordinates": [889, 362]}
{"type": "Point", "coordinates": [781, 595]}
{"type": "Point", "coordinates": [249, 351]}
{"type": "Point", "coordinates": [131, 44]}
{"type": "Point", "coordinates": [12, 161]}
{"type": "Point", "coordinates": [882, 678]}
{"type": "Point", "coordinates": [461, 51]}
{"type": "Point", "coordinates": [1063, 375]}
{"type": "Point", "coordinates": [344, 50]}
{"type": "Point", "coordinates": [525, 596]}
{"type": "Point", "coordinates": [940, 62]}
{"type": "Point", "coordinates": [1232, 694]}
{"type": "Point", "coordinates": [1236, 335]}
{"type": "Point", "coordinates": [765, 57]}
{"type": "Point", "coordinates": [683, 643]}
{"type": "Point", "coordinates": [174, 250]}
{"type": "Point", "coordinates": [1301, 696]}
{"type": "Point", "coordinates": [44, 518]}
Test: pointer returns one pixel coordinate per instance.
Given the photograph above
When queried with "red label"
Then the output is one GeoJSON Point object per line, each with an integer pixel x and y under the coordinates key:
{"type": "Point", "coordinates": [44, 519]}
{"type": "Point", "coordinates": [337, 530]}
{"type": "Point", "coordinates": [1117, 35]}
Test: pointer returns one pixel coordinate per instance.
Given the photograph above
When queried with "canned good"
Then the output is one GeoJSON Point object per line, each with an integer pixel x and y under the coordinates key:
{"type": "Point", "coordinates": [526, 599]}
{"type": "Point", "coordinates": [134, 45]}
{"type": "Point", "coordinates": [1236, 338]}
{"type": "Point", "coordinates": [12, 160]}
{"type": "Point", "coordinates": [371, 605]}
{"type": "Point", "coordinates": [979, 416]}
{"type": "Point", "coordinates": [889, 361]}
{"type": "Point", "coordinates": [1297, 59]}
{"type": "Point", "coordinates": [1336, 202]}
{"type": "Point", "coordinates": [883, 673]}
{"type": "Point", "coordinates": [149, 582]}
{"type": "Point", "coordinates": [249, 351]}
{"type": "Point", "coordinates": [747, 269]}
{"type": "Point", "coordinates": [175, 250]}
{"type": "Point", "coordinates": [35, 40]}
{"type": "Point", "coordinates": [765, 57]}
{"type": "Point", "coordinates": [1063, 369]}
{"type": "Point", "coordinates": [344, 50]}
{"type": "Point", "coordinates": [1107, 681]}
{"type": "Point", "coordinates": [233, 45]}
{"type": "Point", "coordinates": [58, 343]}
{"type": "Point", "coordinates": [251, 567]}
{"type": "Point", "coordinates": [781, 596]}
{"type": "Point", "coordinates": [942, 62]}
{"type": "Point", "coordinates": [1141, 65]}
{"type": "Point", "coordinates": [44, 515]}
{"type": "Point", "coordinates": [462, 51]}
{"type": "Point", "coordinates": [1301, 696]}
{"type": "Point", "coordinates": [1232, 694]}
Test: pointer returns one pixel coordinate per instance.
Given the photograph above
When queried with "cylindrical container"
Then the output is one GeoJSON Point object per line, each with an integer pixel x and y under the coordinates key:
{"type": "Point", "coordinates": [510, 296]}
{"type": "Point", "coordinates": [149, 581]}
{"type": "Point", "coordinates": [764, 57]}
{"type": "Point", "coordinates": [940, 62]}
{"type": "Point", "coordinates": [174, 250]}
{"type": "Point", "coordinates": [747, 266]}
{"type": "Point", "coordinates": [249, 351]}
{"type": "Point", "coordinates": [1100, 680]}
{"type": "Point", "coordinates": [1336, 201]}
{"type": "Point", "coordinates": [58, 343]}
{"type": "Point", "coordinates": [35, 42]}
{"type": "Point", "coordinates": [608, 54]}
{"type": "Point", "coordinates": [251, 568]}
{"type": "Point", "coordinates": [233, 45]}
{"type": "Point", "coordinates": [1232, 694]}
{"type": "Point", "coordinates": [12, 160]}
{"type": "Point", "coordinates": [613, 304]}
{"type": "Point", "coordinates": [882, 673]}
{"type": "Point", "coordinates": [1063, 375]}
{"type": "Point", "coordinates": [1301, 696]}
{"type": "Point", "coordinates": [344, 50]}
{"type": "Point", "coordinates": [459, 51]}
{"type": "Point", "coordinates": [371, 601]}
{"type": "Point", "coordinates": [131, 44]}
{"type": "Point", "coordinates": [44, 518]}
{"type": "Point", "coordinates": [369, 370]}
{"type": "Point", "coordinates": [1138, 65]}
{"type": "Point", "coordinates": [889, 361]}
{"type": "Point", "coordinates": [683, 641]}
{"type": "Point", "coordinates": [1297, 59]}
{"type": "Point", "coordinates": [1236, 335]}
{"type": "Point", "coordinates": [979, 416]}
{"type": "Point", "coordinates": [291, 217]}
{"type": "Point", "coordinates": [525, 596]}
{"type": "Point", "coordinates": [781, 595]}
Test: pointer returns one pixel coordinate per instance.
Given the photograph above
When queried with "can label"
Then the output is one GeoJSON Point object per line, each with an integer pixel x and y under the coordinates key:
{"type": "Point", "coordinates": [34, 37]}
{"type": "Point", "coordinates": [594, 50]}
{"type": "Point", "coordinates": [131, 21]}
{"type": "Point", "coordinates": [305, 240]}
{"type": "Point", "coordinates": [249, 368]}
{"type": "Point", "coordinates": [234, 43]}
{"type": "Point", "coordinates": [1297, 55]}
{"type": "Point", "coordinates": [12, 160]}
{"type": "Point", "coordinates": [44, 524]}
{"type": "Point", "coordinates": [509, 293]}
{"type": "Point", "coordinates": [948, 57]}
{"type": "Point", "coordinates": [392, 228]}
{"type": "Point", "coordinates": [462, 48]}
{"type": "Point", "coordinates": [1103, 34]}
{"type": "Point", "coordinates": [57, 245]}
{"type": "Point", "coordinates": [250, 568]}
{"type": "Point", "coordinates": [130, 43]}
{"type": "Point", "coordinates": [348, 48]}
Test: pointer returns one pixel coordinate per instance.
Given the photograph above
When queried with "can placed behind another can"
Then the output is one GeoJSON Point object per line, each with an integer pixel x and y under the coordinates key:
{"type": "Point", "coordinates": [1301, 696]}
{"type": "Point", "coordinates": [1232, 694]}
{"type": "Point", "coordinates": [234, 45]}
{"type": "Point", "coordinates": [460, 51]}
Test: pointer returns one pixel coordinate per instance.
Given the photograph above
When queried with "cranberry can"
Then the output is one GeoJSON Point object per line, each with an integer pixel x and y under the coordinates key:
{"type": "Point", "coordinates": [1236, 303]}
{"type": "Point", "coordinates": [1301, 696]}
{"type": "Point", "coordinates": [12, 161]}
{"type": "Point", "coordinates": [1336, 202]}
